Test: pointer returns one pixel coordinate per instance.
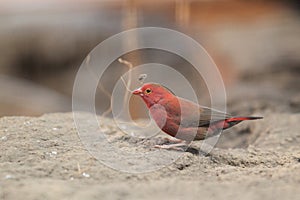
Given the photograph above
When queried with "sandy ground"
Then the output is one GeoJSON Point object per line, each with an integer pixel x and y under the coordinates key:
{"type": "Point", "coordinates": [43, 158]}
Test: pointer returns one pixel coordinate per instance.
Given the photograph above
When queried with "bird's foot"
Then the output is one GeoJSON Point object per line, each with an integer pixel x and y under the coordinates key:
{"type": "Point", "coordinates": [173, 146]}
{"type": "Point", "coordinates": [174, 140]}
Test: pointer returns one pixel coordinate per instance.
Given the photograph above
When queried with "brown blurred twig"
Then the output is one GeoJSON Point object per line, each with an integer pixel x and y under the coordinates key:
{"type": "Point", "coordinates": [130, 66]}
{"type": "Point", "coordinates": [101, 87]}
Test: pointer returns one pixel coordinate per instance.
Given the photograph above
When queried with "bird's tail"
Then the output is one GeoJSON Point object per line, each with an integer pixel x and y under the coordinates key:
{"type": "Point", "coordinates": [236, 119]}
{"type": "Point", "coordinates": [229, 122]}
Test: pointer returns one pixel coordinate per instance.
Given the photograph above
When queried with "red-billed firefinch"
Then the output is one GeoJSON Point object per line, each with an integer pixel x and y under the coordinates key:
{"type": "Point", "coordinates": [181, 118]}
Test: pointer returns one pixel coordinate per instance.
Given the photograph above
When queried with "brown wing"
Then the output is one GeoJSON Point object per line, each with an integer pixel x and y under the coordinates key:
{"type": "Point", "coordinates": [190, 114]}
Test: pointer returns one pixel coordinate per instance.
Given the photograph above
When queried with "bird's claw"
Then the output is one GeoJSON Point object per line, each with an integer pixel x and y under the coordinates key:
{"type": "Point", "coordinates": [174, 140]}
{"type": "Point", "coordinates": [172, 146]}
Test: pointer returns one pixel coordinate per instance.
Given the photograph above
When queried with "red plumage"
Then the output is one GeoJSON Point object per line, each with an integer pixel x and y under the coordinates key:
{"type": "Point", "coordinates": [181, 118]}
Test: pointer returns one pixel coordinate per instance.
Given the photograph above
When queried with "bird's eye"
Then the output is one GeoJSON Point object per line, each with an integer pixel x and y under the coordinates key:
{"type": "Point", "coordinates": [148, 91]}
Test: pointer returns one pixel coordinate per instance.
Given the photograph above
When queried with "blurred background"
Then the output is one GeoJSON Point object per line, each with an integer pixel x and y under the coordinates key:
{"type": "Point", "coordinates": [255, 44]}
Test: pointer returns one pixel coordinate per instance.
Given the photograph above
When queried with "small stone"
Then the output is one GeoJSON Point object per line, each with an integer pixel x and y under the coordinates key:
{"type": "Point", "coordinates": [8, 176]}
{"type": "Point", "coordinates": [4, 138]}
{"type": "Point", "coordinates": [27, 123]}
{"type": "Point", "coordinates": [289, 139]}
{"type": "Point", "coordinates": [85, 175]}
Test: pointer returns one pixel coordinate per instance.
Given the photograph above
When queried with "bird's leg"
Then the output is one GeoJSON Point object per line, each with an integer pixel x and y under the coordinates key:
{"type": "Point", "coordinates": [174, 140]}
{"type": "Point", "coordinates": [175, 146]}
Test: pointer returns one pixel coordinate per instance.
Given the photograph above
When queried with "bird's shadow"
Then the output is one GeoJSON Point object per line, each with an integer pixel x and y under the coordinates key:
{"type": "Point", "coordinates": [196, 151]}
{"type": "Point", "coordinates": [193, 150]}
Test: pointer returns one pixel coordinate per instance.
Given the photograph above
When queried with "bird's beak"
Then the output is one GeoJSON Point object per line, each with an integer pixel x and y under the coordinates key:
{"type": "Point", "coordinates": [137, 91]}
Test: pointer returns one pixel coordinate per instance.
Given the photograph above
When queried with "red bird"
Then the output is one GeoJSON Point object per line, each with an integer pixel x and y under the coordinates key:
{"type": "Point", "coordinates": [181, 118]}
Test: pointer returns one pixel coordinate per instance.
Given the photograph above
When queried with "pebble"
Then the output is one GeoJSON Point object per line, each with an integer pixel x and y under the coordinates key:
{"type": "Point", "coordinates": [52, 153]}
{"type": "Point", "coordinates": [27, 123]}
{"type": "Point", "coordinates": [8, 176]}
{"type": "Point", "coordinates": [4, 138]}
{"type": "Point", "coordinates": [85, 175]}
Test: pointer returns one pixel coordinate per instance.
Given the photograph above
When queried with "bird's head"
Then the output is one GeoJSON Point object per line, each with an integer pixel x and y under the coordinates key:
{"type": "Point", "coordinates": [152, 93]}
